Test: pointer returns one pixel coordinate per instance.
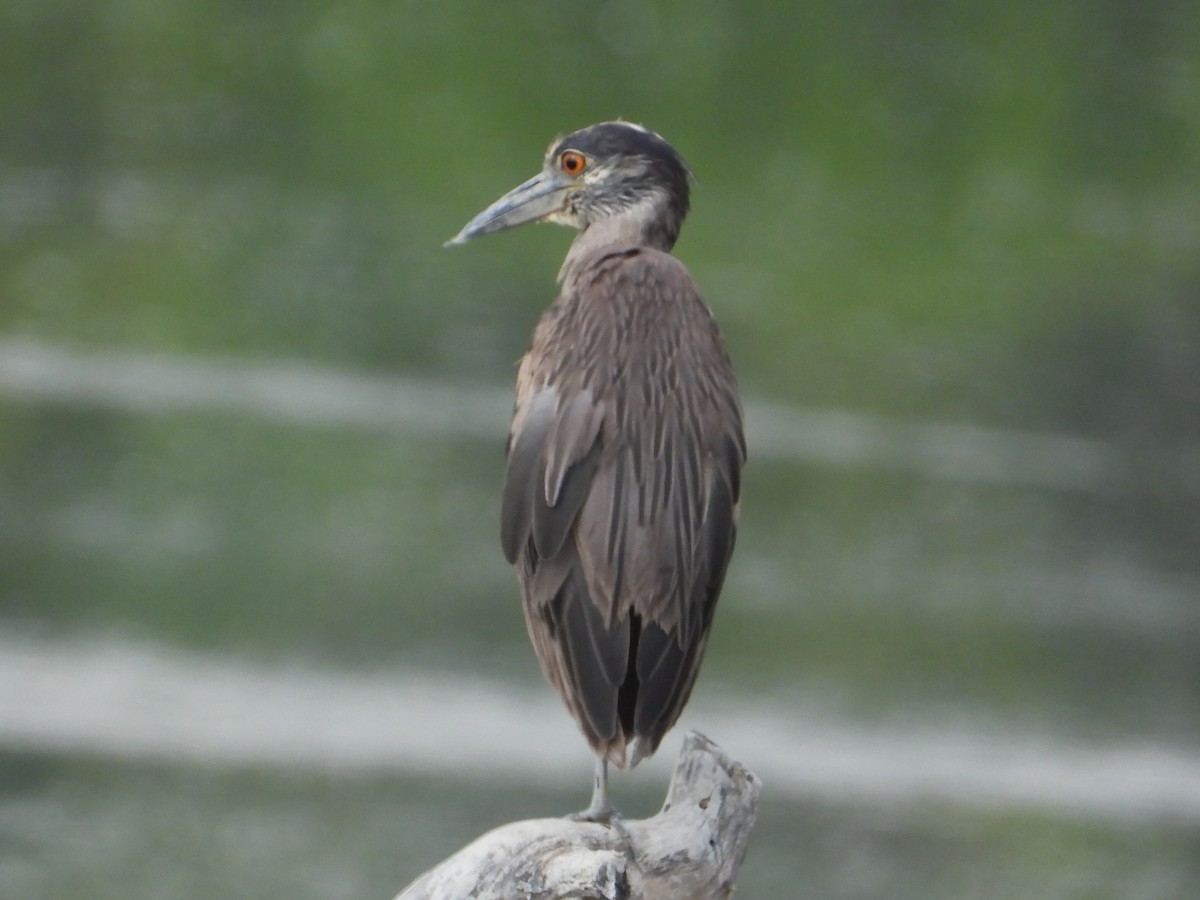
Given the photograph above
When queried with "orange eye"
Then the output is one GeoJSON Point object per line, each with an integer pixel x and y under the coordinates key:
{"type": "Point", "coordinates": [572, 162]}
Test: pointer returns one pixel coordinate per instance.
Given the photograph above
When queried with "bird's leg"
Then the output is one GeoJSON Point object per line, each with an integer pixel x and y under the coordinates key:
{"type": "Point", "coordinates": [601, 809]}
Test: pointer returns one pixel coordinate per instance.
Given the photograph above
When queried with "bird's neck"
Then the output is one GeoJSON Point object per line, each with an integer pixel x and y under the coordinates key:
{"type": "Point", "coordinates": [613, 233]}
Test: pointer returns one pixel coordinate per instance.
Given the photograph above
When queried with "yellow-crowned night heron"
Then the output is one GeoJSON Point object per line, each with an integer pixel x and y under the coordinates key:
{"type": "Point", "coordinates": [620, 499]}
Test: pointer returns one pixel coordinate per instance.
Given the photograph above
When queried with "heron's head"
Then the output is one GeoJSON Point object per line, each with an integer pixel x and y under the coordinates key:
{"type": "Point", "coordinates": [600, 172]}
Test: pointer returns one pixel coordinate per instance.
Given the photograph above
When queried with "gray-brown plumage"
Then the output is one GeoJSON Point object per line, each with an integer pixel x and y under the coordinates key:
{"type": "Point", "coordinates": [620, 498]}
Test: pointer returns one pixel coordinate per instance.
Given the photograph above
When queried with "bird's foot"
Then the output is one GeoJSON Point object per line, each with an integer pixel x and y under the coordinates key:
{"type": "Point", "coordinates": [600, 810]}
{"type": "Point", "coordinates": [602, 814]}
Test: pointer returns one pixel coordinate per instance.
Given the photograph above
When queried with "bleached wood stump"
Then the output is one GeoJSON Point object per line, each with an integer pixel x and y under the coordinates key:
{"type": "Point", "coordinates": [691, 850]}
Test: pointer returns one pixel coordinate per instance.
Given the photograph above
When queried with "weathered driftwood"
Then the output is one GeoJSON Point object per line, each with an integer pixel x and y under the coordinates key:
{"type": "Point", "coordinates": [691, 850]}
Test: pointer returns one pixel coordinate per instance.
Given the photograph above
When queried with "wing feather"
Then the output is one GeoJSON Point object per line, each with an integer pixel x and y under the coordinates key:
{"type": "Point", "coordinates": [524, 471]}
{"type": "Point", "coordinates": [572, 454]}
{"type": "Point", "coordinates": [620, 500]}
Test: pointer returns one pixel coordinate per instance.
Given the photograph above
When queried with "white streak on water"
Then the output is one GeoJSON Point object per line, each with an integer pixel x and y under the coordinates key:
{"type": "Point", "coordinates": [155, 384]}
{"type": "Point", "coordinates": [295, 393]}
{"type": "Point", "coordinates": [140, 702]}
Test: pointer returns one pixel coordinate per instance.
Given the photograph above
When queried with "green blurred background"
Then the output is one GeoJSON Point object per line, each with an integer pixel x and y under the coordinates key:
{"type": "Point", "coordinates": [955, 249]}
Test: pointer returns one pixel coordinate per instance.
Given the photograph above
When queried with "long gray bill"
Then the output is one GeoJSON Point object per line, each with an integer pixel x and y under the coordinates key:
{"type": "Point", "coordinates": [535, 199]}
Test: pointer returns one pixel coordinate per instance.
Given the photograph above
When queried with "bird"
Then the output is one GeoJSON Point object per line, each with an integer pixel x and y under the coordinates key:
{"type": "Point", "coordinates": [621, 492]}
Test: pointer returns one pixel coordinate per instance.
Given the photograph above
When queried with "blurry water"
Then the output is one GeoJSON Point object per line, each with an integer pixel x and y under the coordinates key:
{"type": "Point", "coordinates": [142, 703]}
{"type": "Point", "coordinates": [947, 651]}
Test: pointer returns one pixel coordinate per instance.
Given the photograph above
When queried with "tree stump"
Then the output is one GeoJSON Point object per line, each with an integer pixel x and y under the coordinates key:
{"type": "Point", "coordinates": [691, 850]}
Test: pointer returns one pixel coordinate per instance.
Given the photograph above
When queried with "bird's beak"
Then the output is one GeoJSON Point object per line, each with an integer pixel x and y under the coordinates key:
{"type": "Point", "coordinates": [539, 197]}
